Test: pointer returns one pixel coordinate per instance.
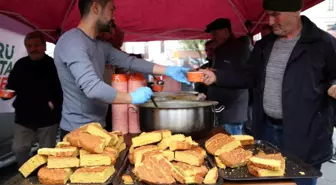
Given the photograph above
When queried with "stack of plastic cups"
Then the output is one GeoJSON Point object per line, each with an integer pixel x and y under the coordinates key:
{"type": "Point", "coordinates": [120, 111]}
{"type": "Point", "coordinates": [135, 81]}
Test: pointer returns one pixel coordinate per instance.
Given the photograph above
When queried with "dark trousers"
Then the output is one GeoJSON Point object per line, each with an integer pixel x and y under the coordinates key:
{"type": "Point", "coordinates": [274, 135]}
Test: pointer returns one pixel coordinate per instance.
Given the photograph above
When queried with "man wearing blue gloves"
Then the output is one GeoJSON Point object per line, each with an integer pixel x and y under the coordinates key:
{"type": "Point", "coordinates": [80, 60]}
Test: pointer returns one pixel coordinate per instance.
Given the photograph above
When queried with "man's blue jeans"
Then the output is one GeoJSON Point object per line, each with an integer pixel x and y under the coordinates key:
{"type": "Point", "coordinates": [233, 128]}
{"type": "Point", "coordinates": [274, 135]}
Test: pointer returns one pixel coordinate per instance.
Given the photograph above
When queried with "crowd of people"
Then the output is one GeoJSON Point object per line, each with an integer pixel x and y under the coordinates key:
{"type": "Point", "coordinates": [282, 87]}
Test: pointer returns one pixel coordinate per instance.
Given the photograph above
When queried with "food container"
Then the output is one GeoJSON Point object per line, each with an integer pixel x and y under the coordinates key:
{"type": "Point", "coordinates": [6, 93]}
{"type": "Point", "coordinates": [120, 111]}
{"type": "Point", "coordinates": [195, 76]}
{"type": "Point", "coordinates": [183, 95]}
{"type": "Point", "coordinates": [192, 118]}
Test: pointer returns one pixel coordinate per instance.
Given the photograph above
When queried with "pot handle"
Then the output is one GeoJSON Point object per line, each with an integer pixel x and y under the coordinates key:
{"type": "Point", "coordinates": [218, 110]}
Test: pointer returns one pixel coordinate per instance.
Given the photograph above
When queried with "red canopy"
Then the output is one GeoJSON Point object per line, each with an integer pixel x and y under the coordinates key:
{"type": "Point", "coordinates": [143, 20]}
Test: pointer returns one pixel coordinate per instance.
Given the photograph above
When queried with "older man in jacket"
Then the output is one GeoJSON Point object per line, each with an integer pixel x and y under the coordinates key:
{"type": "Point", "coordinates": [294, 72]}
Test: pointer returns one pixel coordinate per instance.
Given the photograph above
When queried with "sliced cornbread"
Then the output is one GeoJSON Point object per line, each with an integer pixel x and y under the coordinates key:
{"type": "Point", "coordinates": [113, 153]}
{"type": "Point", "coordinates": [62, 144]}
{"type": "Point", "coordinates": [168, 155]}
{"type": "Point", "coordinates": [91, 143]}
{"type": "Point", "coordinates": [100, 132]}
{"type": "Point", "coordinates": [221, 143]}
{"type": "Point", "coordinates": [268, 164]}
{"type": "Point", "coordinates": [127, 179]}
{"type": "Point", "coordinates": [146, 139]}
{"type": "Point", "coordinates": [73, 137]}
{"type": "Point", "coordinates": [54, 176]}
{"type": "Point", "coordinates": [235, 158]}
{"type": "Point", "coordinates": [194, 179]}
{"type": "Point", "coordinates": [258, 169]}
{"type": "Point", "coordinates": [188, 170]}
{"type": "Point", "coordinates": [83, 152]}
{"type": "Point", "coordinates": [165, 133]}
{"type": "Point", "coordinates": [244, 139]}
{"type": "Point", "coordinates": [212, 176]}
{"type": "Point", "coordinates": [190, 141]}
{"type": "Point", "coordinates": [62, 162]}
{"type": "Point", "coordinates": [189, 157]}
{"type": "Point", "coordinates": [32, 164]}
{"type": "Point", "coordinates": [138, 152]}
{"type": "Point", "coordinates": [94, 160]}
{"type": "Point", "coordinates": [219, 163]}
{"type": "Point", "coordinates": [259, 172]}
{"type": "Point", "coordinates": [164, 144]}
{"type": "Point", "coordinates": [120, 141]}
{"type": "Point", "coordinates": [98, 174]}
{"type": "Point", "coordinates": [69, 151]}
{"type": "Point", "coordinates": [122, 147]}
{"type": "Point", "coordinates": [179, 145]}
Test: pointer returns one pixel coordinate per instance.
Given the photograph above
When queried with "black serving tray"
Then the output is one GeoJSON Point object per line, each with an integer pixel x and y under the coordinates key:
{"type": "Point", "coordinates": [295, 169]}
{"type": "Point", "coordinates": [33, 179]}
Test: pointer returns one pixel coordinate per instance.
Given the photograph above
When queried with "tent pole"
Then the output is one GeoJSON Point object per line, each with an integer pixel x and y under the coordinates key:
{"type": "Point", "coordinates": [28, 22]}
{"type": "Point", "coordinates": [66, 15]}
{"type": "Point", "coordinates": [239, 15]}
{"type": "Point", "coordinates": [259, 21]}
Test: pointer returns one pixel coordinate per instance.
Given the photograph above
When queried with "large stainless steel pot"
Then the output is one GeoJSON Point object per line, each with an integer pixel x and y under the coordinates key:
{"type": "Point", "coordinates": [194, 118]}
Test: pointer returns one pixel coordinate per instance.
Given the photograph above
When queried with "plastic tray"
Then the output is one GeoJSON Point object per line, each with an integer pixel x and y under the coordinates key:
{"type": "Point", "coordinates": [33, 180]}
{"type": "Point", "coordinates": [295, 169]}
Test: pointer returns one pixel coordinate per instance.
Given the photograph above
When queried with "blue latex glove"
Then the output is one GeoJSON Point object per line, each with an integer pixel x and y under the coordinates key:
{"type": "Point", "coordinates": [178, 73]}
{"type": "Point", "coordinates": [141, 95]}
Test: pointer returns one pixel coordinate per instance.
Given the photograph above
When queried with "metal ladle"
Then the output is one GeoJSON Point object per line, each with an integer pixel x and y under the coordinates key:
{"type": "Point", "coordinates": [158, 82]}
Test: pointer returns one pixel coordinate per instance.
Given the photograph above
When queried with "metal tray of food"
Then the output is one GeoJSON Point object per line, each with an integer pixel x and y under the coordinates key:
{"type": "Point", "coordinates": [295, 169]}
{"type": "Point", "coordinates": [33, 179]}
{"type": "Point", "coordinates": [127, 169]}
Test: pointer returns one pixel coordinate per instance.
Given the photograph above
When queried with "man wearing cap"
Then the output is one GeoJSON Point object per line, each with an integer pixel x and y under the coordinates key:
{"type": "Point", "coordinates": [293, 79]}
{"type": "Point", "coordinates": [229, 51]}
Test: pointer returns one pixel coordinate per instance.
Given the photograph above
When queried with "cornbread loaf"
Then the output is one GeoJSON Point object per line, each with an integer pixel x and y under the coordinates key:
{"type": "Point", "coordinates": [62, 144]}
{"type": "Point", "coordinates": [244, 139]}
{"type": "Point", "coordinates": [189, 157]}
{"type": "Point", "coordinates": [164, 133]}
{"type": "Point", "coordinates": [179, 145]}
{"type": "Point", "coordinates": [146, 139]}
{"type": "Point", "coordinates": [261, 172]}
{"type": "Point", "coordinates": [268, 164]}
{"type": "Point", "coordinates": [95, 160]}
{"type": "Point", "coordinates": [100, 132]}
{"type": "Point", "coordinates": [219, 163]}
{"type": "Point", "coordinates": [127, 179]}
{"type": "Point", "coordinates": [90, 124]}
{"type": "Point", "coordinates": [69, 151]}
{"type": "Point", "coordinates": [32, 164]}
{"type": "Point", "coordinates": [194, 179]}
{"type": "Point", "coordinates": [235, 158]}
{"type": "Point", "coordinates": [169, 155]}
{"type": "Point", "coordinates": [188, 170]}
{"type": "Point", "coordinates": [73, 138]}
{"type": "Point", "coordinates": [99, 174]}
{"type": "Point", "coordinates": [221, 143]}
{"type": "Point", "coordinates": [113, 153]}
{"type": "Point", "coordinates": [54, 176]}
{"type": "Point", "coordinates": [156, 169]}
{"type": "Point", "coordinates": [212, 176]}
{"type": "Point", "coordinates": [62, 162]}
{"type": "Point", "coordinates": [138, 152]}
{"type": "Point", "coordinates": [91, 143]}
{"type": "Point", "coordinates": [165, 143]}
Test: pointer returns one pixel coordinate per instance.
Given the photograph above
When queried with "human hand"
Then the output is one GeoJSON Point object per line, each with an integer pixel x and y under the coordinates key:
{"type": "Point", "coordinates": [51, 105]}
{"type": "Point", "coordinates": [332, 91]}
{"type": "Point", "coordinates": [178, 73]}
{"type": "Point", "coordinates": [201, 97]}
{"type": "Point", "coordinates": [209, 76]}
{"type": "Point", "coordinates": [141, 95]}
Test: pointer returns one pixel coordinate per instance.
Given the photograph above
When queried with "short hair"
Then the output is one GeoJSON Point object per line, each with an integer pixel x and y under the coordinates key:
{"type": "Point", "coordinates": [85, 5]}
{"type": "Point", "coordinates": [35, 35]}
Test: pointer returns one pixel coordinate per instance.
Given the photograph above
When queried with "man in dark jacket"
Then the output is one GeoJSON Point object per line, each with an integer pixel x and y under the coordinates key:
{"type": "Point", "coordinates": [229, 51]}
{"type": "Point", "coordinates": [38, 100]}
{"type": "Point", "coordinates": [294, 71]}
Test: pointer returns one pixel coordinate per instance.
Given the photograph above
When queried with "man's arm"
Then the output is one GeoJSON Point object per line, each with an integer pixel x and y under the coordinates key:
{"type": "Point", "coordinates": [236, 76]}
{"type": "Point", "coordinates": [78, 61]}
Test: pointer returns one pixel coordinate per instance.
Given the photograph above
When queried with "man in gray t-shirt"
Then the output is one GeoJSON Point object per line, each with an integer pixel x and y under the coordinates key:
{"type": "Point", "coordinates": [80, 60]}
